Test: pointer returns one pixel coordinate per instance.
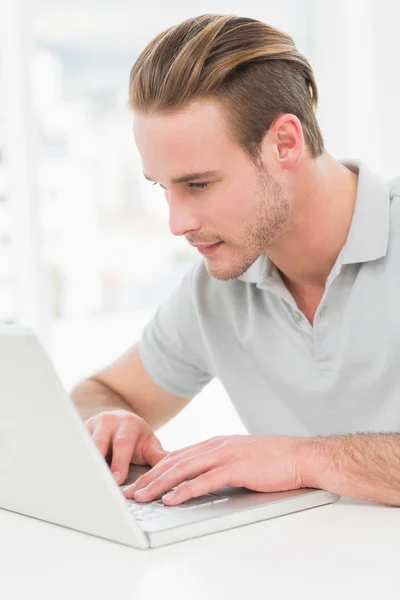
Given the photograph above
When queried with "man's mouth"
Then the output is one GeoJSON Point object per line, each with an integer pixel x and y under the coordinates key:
{"type": "Point", "coordinates": [207, 249]}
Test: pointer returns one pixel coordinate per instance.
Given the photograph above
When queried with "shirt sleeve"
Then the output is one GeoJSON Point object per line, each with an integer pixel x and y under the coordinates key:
{"type": "Point", "coordinates": [172, 348]}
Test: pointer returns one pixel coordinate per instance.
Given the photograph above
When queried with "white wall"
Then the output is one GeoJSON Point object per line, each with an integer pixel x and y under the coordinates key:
{"type": "Point", "coordinates": [355, 55]}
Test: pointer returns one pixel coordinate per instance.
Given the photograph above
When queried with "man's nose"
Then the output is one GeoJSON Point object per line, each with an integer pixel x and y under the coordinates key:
{"type": "Point", "coordinates": [182, 218]}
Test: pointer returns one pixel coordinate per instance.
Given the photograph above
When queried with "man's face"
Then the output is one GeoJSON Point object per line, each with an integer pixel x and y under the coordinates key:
{"type": "Point", "coordinates": [241, 207]}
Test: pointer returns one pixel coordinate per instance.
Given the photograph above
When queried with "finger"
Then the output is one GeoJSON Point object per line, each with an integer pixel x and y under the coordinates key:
{"type": "Point", "coordinates": [123, 446]}
{"type": "Point", "coordinates": [203, 484]}
{"type": "Point", "coordinates": [90, 425]}
{"type": "Point", "coordinates": [153, 451]}
{"type": "Point", "coordinates": [172, 458]}
{"type": "Point", "coordinates": [184, 469]}
{"type": "Point", "coordinates": [102, 436]}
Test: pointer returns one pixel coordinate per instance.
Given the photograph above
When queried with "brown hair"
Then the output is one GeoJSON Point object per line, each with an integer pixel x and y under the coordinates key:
{"type": "Point", "coordinates": [251, 68]}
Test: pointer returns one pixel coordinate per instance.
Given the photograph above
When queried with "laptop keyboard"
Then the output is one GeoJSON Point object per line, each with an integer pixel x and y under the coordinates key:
{"type": "Point", "coordinates": [144, 511]}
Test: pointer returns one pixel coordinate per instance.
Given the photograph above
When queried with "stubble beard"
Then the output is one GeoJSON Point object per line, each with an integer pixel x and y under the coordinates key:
{"type": "Point", "coordinates": [268, 224]}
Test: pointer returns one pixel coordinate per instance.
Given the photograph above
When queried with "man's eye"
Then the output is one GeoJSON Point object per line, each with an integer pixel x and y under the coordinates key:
{"type": "Point", "coordinates": [200, 186]}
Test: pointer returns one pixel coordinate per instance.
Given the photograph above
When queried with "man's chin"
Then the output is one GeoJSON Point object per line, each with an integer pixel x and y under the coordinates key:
{"type": "Point", "coordinates": [224, 272]}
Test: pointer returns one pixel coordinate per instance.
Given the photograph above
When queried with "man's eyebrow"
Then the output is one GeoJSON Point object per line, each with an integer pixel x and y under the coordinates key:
{"type": "Point", "coordinates": [188, 176]}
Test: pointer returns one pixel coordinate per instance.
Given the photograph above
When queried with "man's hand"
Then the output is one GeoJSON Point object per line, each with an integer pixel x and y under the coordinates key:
{"type": "Point", "coordinates": [128, 437]}
{"type": "Point", "coordinates": [257, 462]}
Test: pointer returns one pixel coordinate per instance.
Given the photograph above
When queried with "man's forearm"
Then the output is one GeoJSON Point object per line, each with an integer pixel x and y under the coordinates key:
{"type": "Point", "coordinates": [92, 397]}
{"type": "Point", "coordinates": [362, 465]}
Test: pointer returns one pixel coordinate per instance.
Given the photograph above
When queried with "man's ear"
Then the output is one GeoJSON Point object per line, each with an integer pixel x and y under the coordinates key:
{"type": "Point", "coordinates": [286, 141]}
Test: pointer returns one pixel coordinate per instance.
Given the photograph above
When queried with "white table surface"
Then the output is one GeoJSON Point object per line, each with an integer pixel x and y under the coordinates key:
{"type": "Point", "coordinates": [349, 549]}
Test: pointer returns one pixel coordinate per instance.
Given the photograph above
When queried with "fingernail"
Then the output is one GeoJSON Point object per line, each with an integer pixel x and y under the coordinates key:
{"type": "Point", "coordinates": [140, 492]}
{"type": "Point", "coordinates": [168, 496]}
{"type": "Point", "coordinates": [117, 475]}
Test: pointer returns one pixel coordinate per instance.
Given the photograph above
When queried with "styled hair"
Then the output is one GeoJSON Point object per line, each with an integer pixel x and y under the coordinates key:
{"type": "Point", "coordinates": [251, 68]}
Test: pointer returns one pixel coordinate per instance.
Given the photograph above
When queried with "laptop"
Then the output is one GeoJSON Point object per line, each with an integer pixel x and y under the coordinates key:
{"type": "Point", "coordinates": [50, 468]}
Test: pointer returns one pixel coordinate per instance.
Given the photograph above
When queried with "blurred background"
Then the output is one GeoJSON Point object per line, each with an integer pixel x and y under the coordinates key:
{"type": "Point", "coordinates": [85, 251]}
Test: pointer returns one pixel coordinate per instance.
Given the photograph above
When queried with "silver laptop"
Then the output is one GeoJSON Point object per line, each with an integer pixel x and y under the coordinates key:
{"type": "Point", "coordinates": [51, 469]}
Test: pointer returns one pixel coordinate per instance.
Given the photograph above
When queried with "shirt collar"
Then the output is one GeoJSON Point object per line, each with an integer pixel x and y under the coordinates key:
{"type": "Point", "coordinates": [368, 236]}
{"type": "Point", "coordinates": [369, 230]}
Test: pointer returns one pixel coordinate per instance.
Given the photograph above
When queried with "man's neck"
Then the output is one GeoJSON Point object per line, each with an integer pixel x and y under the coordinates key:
{"type": "Point", "coordinates": [323, 201]}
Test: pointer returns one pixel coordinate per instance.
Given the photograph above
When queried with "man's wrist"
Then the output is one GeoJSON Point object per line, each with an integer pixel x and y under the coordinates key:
{"type": "Point", "coordinates": [308, 462]}
{"type": "Point", "coordinates": [321, 463]}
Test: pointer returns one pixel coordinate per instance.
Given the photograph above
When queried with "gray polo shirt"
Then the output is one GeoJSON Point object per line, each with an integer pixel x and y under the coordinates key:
{"type": "Point", "coordinates": [283, 375]}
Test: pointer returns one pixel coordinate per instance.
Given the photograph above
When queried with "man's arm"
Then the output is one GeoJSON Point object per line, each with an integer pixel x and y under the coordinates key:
{"type": "Point", "coordinates": [92, 397]}
{"type": "Point", "coordinates": [126, 384]}
{"type": "Point", "coordinates": [362, 465]}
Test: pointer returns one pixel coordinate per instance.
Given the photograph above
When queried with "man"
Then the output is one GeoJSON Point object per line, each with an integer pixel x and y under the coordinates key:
{"type": "Point", "coordinates": [295, 305]}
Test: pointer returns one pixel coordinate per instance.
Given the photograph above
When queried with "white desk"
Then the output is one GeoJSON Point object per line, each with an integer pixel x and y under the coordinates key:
{"type": "Point", "coordinates": [349, 549]}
